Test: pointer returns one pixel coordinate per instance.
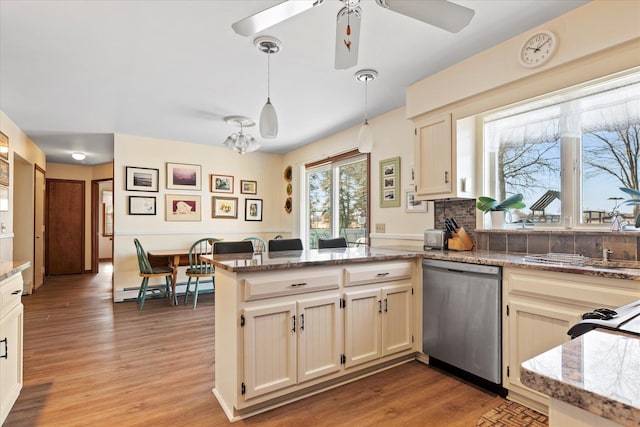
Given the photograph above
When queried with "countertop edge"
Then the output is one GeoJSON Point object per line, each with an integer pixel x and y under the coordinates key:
{"type": "Point", "coordinates": [10, 268]}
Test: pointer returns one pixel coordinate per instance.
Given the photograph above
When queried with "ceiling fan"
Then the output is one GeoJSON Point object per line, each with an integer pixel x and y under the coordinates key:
{"type": "Point", "coordinates": [439, 13]}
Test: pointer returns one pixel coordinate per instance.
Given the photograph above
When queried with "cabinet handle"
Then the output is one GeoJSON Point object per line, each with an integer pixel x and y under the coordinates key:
{"type": "Point", "coordinates": [382, 274]}
{"type": "Point", "coordinates": [6, 349]}
{"type": "Point", "coordinates": [294, 323]}
{"type": "Point", "coordinates": [293, 285]}
{"type": "Point", "coordinates": [16, 292]}
{"type": "Point", "coordinates": [379, 306]}
{"type": "Point", "coordinates": [446, 177]}
{"type": "Point", "coordinates": [302, 322]}
{"type": "Point", "coordinates": [386, 305]}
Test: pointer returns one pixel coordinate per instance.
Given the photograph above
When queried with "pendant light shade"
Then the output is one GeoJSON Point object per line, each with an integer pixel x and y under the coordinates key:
{"type": "Point", "coordinates": [268, 116]}
{"type": "Point", "coordinates": [365, 136]}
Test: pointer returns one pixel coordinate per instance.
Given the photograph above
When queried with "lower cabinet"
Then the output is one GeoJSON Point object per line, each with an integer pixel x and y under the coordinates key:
{"type": "Point", "coordinates": [11, 330]}
{"type": "Point", "coordinates": [539, 308]}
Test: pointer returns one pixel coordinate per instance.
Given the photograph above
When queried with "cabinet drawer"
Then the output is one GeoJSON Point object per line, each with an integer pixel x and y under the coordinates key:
{"type": "Point", "coordinates": [10, 293]}
{"type": "Point", "coordinates": [276, 284]}
{"type": "Point", "coordinates": [377, 273]}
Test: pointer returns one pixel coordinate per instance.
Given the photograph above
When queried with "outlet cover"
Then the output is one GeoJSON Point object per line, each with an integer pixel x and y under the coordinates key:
{"type": "Point", "coordinates": [380, 228]}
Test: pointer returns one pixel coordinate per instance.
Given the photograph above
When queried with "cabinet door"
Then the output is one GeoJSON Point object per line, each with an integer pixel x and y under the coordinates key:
{"type": "Point", "coordinates": [269, 348]}
{"type": "Point", "coordinates": [535, 326]}
{"type": "Point", "coordinates": [432, 154]}
{"type": "Point", "coordinates": [11, 359]}
{"type": "Point", "coordinates": [362, 326]}
{"type": "Point", "coordinates": [396, 319]}
{"type": "Point", "coordinates": [319, 337]}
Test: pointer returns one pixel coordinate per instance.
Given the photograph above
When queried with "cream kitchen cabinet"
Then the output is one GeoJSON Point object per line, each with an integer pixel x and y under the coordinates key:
{"type": "Point", "coordinates": [444, 153]}
{"type": "Point", "coordinates": [539, 308]}
{"type": "Point", "coordinates": [290, 343]}
{"type": "Point", "coordinates": [11, 333]}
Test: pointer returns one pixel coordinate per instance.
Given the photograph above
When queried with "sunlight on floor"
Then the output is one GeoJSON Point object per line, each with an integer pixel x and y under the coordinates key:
{"type": "Point", "coordinates": [105, 267]}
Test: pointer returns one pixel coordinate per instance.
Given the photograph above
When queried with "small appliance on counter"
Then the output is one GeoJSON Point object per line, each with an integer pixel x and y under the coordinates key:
{"type": "Point", "coordinates": [434, 239]}
{"type": "Point", "coordinates": [453, 238]}
{"type": "Point", "coordinates": [624, 319]}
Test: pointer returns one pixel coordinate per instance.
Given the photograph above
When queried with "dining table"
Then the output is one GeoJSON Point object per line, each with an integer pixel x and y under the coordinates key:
{"type": "Point", "coordinates": [174, 258]}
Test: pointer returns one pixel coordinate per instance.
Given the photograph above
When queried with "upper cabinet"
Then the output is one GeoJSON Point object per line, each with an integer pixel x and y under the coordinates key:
{"type": "Point", "coordinates": [444, 153]}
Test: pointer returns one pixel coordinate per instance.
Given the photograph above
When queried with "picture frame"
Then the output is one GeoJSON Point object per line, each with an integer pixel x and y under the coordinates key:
{"type": "Point", "coordinates": [141, 179]}
{"type": "Point", "coordinates": [142, 205]}
{"type": "Point", "coordinates": [221, 183]}
{"type": "Point", "coordinates": [390, 196]}
{"type": "Point", "coordinates": [412, 205]}
{"type": "Point", "coordinates": [4, 146]}
{"type": "Point", "coordinates": [181, 207]}
{"type": "Point", "coordinates": [248, 187]}
{"type": "Point", "coordinates": [253, 209]}
{"type": "Point", "coordinates": [4, 199]}
{"type": "Point", "coordinates": [183, 176]}
{"type": "Point", "coordinates": [4, 173]}
{"type": "Point", "coordinates": [224, 207]}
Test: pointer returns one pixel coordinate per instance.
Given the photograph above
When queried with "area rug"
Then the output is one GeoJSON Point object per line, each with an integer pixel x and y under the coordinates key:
{"type": "Point", "coordinates": [511, 414]}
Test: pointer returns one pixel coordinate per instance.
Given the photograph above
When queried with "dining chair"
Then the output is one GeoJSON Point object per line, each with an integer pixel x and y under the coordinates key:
{"type": "Point", "coordinates": [242, 246]}
{"type": "Point", "coordinates": [258, 244]}
{"type": "Point", "coordinates": [285, 245]}
{"type": "Point", "coordinates": [337, 242]}
{"type": "Point", "coordinates": [198, 268]}
{"type": "Point", "coordinates": [147, 271]}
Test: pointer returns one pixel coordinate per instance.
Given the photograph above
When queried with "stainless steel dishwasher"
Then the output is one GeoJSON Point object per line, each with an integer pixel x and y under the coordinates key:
{"type": "Point", "coordinates": [462, 316]}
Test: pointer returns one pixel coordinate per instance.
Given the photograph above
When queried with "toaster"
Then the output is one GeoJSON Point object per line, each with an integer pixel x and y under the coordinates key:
{"type": "Point", "coordinates": [434, 239]}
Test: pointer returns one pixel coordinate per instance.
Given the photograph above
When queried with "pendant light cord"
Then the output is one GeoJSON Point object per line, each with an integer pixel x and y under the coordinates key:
{"type": "Point", "coordinates": [269, 74]}
{"type": "Point", "coordinates": [366, 82]}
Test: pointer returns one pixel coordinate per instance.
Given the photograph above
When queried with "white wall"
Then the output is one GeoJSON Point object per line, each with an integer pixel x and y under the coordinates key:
{"type": "Point", "coordinates": [154, 232]}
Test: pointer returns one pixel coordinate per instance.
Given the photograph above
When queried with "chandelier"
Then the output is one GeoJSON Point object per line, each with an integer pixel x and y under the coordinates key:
{"type": "Point", "coordinates": [241, 142]}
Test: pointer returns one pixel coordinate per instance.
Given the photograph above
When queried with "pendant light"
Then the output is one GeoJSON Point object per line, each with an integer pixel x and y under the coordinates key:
{"type": "Point", "coordinates": [241, 142]}
{"type": "Point", "coordinates": [268, 116]}
{"type": "Point", "coordinates": [365, 136]}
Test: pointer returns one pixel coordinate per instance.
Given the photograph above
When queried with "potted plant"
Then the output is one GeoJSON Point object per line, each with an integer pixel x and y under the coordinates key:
{"type": "Point", "coordinates": [497, 209]}
{"type": "Point", "coordinates": [633, 201]}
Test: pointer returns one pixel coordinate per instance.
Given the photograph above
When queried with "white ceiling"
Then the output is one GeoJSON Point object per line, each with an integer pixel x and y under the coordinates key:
{"type": "Point", "coordinates": [72, 73]}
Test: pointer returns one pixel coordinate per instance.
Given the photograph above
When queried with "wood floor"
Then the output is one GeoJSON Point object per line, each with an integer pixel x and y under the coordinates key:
{"type": "Point", "coordinates": [89, 362]}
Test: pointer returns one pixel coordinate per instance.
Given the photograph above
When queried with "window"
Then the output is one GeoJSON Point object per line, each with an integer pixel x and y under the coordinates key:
{"type": "Point", "coordinates": [338, 199]}
{"type": "Point", "coordinates": [568, 153]}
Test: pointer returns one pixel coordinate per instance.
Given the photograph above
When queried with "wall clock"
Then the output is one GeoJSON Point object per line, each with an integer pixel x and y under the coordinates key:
{"type": "Point", "coordinates": [537, 49]}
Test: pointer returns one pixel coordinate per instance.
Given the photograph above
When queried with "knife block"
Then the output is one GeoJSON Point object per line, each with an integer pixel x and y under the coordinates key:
{"type": "Point", "coordinates": [460, 241]}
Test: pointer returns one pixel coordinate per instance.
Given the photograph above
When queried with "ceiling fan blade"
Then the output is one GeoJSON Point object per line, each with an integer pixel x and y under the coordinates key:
{"type": "Point", "coordinates": [272, 16]}
{"type": "Point", "coordinates": [439, 13]}
{"type": "Point", "coordinates": [347, 44]}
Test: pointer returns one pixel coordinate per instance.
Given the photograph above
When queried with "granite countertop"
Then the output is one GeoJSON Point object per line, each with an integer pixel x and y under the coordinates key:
{"type": "Point", "coordinates": [9, 268]}
{"type": "Point", "coordinates": [598, 372]}
{"type": "Point", "coordinates": [629, 270]}
{"type": "Point", "coordinates": [265, 261]}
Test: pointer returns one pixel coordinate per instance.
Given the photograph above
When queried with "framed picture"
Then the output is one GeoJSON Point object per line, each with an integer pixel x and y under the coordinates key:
{"type": "Point", "coordinates": [141, 205]}
{"type": "Point", "coordinates": [181, 176]}
{"type": "Point", "coordinates": [253, 209]}
{"type": "Point", "coordinates": [4, 146]}
{"type": "Point", "coordinates": [4, 173]}
{"type": "Point", "coordinates": [4, 199]}
{"type": "Point", "coordinates": [179, 207]}
{"type": "Point", "coordinates": [224, 207]}
{"type": "Point", "coordinates": [141, 179]}
{"type": "Point", "coordinates": [221, 183]}
{"type": "Point", "coordinates": [413, 205]}
{"type": "Point", "coordinates": [390, 183]}
{"type": "Point", "coordinates": [248, 187]}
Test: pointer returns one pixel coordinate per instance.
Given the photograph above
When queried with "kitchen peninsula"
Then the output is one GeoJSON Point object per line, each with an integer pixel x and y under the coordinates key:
{"type": "Point", "coordinates": [294, 323]}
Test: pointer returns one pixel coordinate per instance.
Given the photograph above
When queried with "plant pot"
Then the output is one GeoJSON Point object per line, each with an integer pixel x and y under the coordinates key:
{"type": "Point", "coordinates": [497, 219]}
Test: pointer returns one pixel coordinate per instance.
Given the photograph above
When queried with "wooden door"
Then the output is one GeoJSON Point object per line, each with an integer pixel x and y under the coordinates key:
{"type": "Point", "coordinates": [396, 318]}
{"type": "Point", "coordinates": [38, 228]}
{"type": "Point", "coordinates": [64, 229]}
{"type": "Point", "coordinates": [362, 326]}
{"type": "Point", "coordinates": [432, 154]}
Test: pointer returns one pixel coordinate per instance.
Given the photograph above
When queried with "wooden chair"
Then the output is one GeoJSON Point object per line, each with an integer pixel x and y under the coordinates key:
{"type": "Point", "coordinates": [258, 244]}
{"type": "Point", "coordinates": [285, 245]}
{"type": "Point", "coordinates": [243, 246]}
{"type": "Point", "coordinates": [146, 271]}
{"type": "Point", "coordinates": [338, 242]}
{"type": "Point", "coordinates": [198, 268]}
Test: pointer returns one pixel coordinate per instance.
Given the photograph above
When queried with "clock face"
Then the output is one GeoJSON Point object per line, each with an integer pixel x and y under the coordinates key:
{"type": "Point", "coordinates": [537, 49]}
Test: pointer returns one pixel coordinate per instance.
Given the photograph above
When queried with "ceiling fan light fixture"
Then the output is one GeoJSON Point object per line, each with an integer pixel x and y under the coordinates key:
{"type": "Point", "coordinates": [365, 136]}
{"type": "Point", "coordinates": [77, 155]}
{"type": "Point", "coordinates": [268, 116]}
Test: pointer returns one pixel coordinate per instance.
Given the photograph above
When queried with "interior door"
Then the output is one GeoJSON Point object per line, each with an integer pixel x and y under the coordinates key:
{"type": "Point", "coordinates": [38, 228]}
{"type": "Point", "coordinates": [64, 229]}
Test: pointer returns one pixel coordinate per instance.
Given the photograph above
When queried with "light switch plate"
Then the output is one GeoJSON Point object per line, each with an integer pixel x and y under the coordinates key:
{"type": "Point", "coordinates": [380, 228]}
